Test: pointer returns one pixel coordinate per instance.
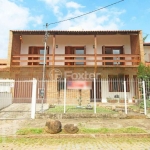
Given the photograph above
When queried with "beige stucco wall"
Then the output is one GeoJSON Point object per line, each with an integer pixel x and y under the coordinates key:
{"type": "Point", "coordinates": [76, 40]}
{"type": "Point", "coordinates": [147, 53]}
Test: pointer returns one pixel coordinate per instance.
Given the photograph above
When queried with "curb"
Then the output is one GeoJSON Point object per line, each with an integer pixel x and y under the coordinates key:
{"type": "Point", "coordinates": [133, 135]}
{"type": "Point", "coordinates": [83, 115]}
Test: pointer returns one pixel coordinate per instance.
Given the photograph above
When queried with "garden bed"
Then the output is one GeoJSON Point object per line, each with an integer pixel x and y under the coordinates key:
{"type": "Point", "coordinates": [81, 109]}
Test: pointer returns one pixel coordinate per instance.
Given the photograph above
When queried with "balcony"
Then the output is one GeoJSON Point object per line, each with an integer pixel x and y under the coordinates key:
{"type": "Point", "coordinates": [73, 60]}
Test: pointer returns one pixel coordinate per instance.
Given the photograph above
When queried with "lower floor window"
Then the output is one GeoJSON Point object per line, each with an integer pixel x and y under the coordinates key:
{"type": "Point", "coordinates": [116, 83]}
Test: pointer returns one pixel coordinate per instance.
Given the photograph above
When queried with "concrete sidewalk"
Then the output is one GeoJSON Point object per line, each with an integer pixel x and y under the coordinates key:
{"type": "Point", "coordinates": [80, 144]}
{"type": "Point", "coordinates": [9, 127]}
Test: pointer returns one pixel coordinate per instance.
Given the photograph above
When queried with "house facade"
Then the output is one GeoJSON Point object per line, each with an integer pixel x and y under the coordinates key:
{"type": "Point", "coordinates": [147, 53]}
{"type": "Point", "coordinates": [75, 55]}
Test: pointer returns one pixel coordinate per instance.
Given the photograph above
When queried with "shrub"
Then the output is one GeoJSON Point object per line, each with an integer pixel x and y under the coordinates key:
{"type": "Point", "coordinates": [147, 104]}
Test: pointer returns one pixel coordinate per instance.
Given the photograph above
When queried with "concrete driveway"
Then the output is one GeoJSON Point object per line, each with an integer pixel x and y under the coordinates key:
{"type": "Point", "coordinates": [19, 111]}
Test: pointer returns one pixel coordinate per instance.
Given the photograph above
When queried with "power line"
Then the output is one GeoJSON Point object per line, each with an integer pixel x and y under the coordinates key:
{"type": "Point", "coordinates": [86, 13]}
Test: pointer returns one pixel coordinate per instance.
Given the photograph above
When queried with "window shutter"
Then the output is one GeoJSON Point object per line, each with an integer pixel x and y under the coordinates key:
{"type": "Point", "coordinates": [72, 49]}
{"type": "Point", "coordinates": [85, 53]}
{"type": "Point", "coordinates": [30, 52]}
{"type": "Point", "coordinates": [103, 52]}
{"type": "Point", "coordinates": [67, 51]}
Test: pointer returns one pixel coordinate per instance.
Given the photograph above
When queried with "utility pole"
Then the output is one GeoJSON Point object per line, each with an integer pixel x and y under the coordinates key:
{"type": "Point", "coordinates": [42, 92]}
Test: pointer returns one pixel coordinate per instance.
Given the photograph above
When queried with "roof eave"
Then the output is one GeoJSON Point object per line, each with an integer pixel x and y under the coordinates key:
{"type": "Point", "coordinates": [63, 32]}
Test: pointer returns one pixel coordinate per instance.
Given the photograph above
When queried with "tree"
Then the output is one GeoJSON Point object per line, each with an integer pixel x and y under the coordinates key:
{"type": "Point", "coordinates": [145, 37]}
{"type": "Point", "coordinates": [143, 71]}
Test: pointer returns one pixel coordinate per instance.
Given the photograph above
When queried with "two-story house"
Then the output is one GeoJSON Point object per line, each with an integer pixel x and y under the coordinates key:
{"type": "Point", "coordinates": [107, 54]}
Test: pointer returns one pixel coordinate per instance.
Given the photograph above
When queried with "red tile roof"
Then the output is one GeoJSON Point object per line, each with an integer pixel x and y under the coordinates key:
{"type": "Point", "coordinates": [70, 32]}
{"type": "Point", "coordinates": [146, 44]}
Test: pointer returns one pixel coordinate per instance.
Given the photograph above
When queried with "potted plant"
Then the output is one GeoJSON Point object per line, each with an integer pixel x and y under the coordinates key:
{"type": "Point", "coordinates": [122, 100]}
{"type": "Point", "coordinates": [112, 100]}
{"type": "Point", "coordinates": [134, 99]}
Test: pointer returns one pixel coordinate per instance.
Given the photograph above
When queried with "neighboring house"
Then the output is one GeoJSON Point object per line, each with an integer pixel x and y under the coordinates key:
{"type": "Point", "coordinates": [110, 54]}
{"type": "Point", "coordinates": [147, 53]}
{"type": "Point", "coordinates": [3, 66]}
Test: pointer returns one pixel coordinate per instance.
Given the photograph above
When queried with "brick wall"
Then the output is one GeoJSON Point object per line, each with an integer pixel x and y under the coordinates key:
{"type": "Point", "coordinates": [57, 97]}
{"type": "Point", "coordinates": [16, 46]}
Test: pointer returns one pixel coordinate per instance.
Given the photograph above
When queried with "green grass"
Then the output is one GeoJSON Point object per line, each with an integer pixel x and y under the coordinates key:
{"type": "Point", "coordinates": [73, 109]}
{"type": "Point", "coordinates": [135, 107]}
{"type": "Point", "coordinates": [27, 131]}
{"type": "Point", "coordinates": [141, 105]}
{"type": "Point", "coordinates": [31, 131]}
{"type": "Point", "coordinates": [110, 130]}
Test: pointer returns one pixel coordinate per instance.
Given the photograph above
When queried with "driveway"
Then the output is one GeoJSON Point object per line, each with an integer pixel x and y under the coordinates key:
{"type": "Point", "coordinates": [19, 111]}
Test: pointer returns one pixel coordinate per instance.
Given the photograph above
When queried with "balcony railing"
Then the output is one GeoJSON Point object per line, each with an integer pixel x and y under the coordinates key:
{"type": "Point", "coordinates": [87, 60]}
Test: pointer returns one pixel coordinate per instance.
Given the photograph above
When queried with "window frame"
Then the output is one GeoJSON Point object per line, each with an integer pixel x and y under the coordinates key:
{"type": "Point", "coordinates": [116, 82]}
{"type": "Point", "coordinates": [36, 50]}
{"type": "Point", "coordinates": [120, 48]}
{"type": "Point", "coordinates": [71, 50]}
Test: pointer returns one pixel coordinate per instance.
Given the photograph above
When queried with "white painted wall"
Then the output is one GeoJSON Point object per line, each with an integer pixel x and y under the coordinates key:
{"type": "Point", "coordinates": [5, 100]}
{"type": "Point", "coordinates": [147, 53]}
{"type": "Point", "coordinates": [76, 40]}
{"type": "Point", "coordinates": [106, 94]}
{"type": "Point", "coordinates": [5, 93]}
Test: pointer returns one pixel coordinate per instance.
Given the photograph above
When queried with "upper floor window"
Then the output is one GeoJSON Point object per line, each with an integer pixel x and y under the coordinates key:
{"type": "Point", "coordinates": [115, 50]}
{"type": "Point", "coordinates": [76, 50]}
{"type": "Point", "coordinates": [37, 50]}
{"type": "Point", "coordinates": [79, 52]}
{"type": "Point", "coordinates": [42, 57]}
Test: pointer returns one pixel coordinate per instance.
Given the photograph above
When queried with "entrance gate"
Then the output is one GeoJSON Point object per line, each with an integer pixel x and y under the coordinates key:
{"type": "Point", "coordinates": [15, 99]}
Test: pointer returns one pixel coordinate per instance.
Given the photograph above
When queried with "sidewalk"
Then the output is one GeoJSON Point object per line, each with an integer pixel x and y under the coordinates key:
{"type": "Point", "coordinates": [80, 144]}
{"type": "Point", "coordinates": [55, 142]}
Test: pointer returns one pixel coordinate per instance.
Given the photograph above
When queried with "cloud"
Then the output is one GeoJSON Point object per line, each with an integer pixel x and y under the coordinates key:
{"type": "Point", "coordinates": [55, 5]}
{"type": "Point", "coordinates": [16, 0]}
{"type": "Point", "coordinates": [37, 19]}
{"type": "Point", "coordinates": [72, 4]}
{"type": "Point", "coordinates": [100, 20]}
{"type": "Point", "coordinates": [105, 19]}
{"type": "Point", "coordinates": [17, 17]}
{"type": "Point", "coordinates": [133, 18]}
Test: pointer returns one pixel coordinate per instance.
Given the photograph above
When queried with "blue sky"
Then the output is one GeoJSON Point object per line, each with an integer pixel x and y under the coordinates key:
{"type": "Point", "coordinates": [34, 14]}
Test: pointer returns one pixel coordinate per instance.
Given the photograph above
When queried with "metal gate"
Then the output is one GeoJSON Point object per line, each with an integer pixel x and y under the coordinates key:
{"type": "Point", "coordinates": [15, 99]}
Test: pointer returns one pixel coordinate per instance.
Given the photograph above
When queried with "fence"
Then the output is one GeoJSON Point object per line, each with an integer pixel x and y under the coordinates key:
{"type": "Point", "coordinates": [15, 99]}
{"type": "Point", "coordinates": [5, 93]}
{"type": "Point", "coordinates": [16, 94]}
{"type": "Point", "coordinates": [112, 90]}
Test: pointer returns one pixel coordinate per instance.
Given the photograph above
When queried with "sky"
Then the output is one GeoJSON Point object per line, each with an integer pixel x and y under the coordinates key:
{"type": "Point", "coordinates": [34, 14]}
